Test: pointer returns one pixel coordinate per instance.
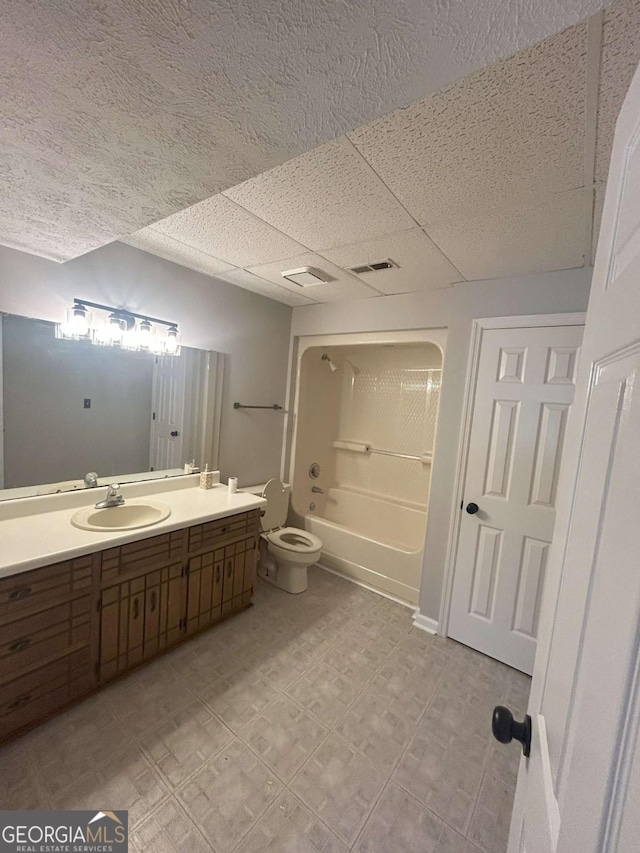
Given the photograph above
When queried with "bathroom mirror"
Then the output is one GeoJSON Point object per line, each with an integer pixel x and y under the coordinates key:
{"type": "Point", "coordinates": [68, 407]}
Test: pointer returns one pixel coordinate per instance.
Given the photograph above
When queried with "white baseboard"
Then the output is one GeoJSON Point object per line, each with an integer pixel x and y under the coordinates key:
{"type": "Point", "coordinates": [424, 623]}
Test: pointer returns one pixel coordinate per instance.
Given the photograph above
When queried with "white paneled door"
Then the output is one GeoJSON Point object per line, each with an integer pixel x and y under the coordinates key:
{"type": "Point", "coordinates": [524, 388]}
{"type": "Point", "coordinates": [579, 791]}
{"type": "Point", "coordinates": [167, 424]}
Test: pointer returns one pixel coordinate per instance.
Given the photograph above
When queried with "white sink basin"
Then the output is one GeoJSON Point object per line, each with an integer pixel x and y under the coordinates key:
{"type": "Point", "coordinates": [128, 516]}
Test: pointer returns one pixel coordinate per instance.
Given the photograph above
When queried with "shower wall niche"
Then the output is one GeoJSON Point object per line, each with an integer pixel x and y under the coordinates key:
{"type": "Point", "coordinates": [367, 415]}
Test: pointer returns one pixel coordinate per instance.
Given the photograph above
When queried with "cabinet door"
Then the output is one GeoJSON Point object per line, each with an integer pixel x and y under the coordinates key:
{"type": "Point", "coordinates": [139, 618]}
{"type": "Point", "coordinates": [228, 578]}
{"type": "Point", "coordinates": [163, 609]}
{"type": "Point", "coordinates": [249, 578]}
{"type": "Point", "coordinates": [205, 583]}
{"type": "Point", "coordinates": [121, 627]}
{"type": "Point", "coordinates": [239, 572]}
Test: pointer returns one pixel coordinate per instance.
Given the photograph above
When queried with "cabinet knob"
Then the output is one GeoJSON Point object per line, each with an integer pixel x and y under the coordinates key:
{"type": "Point", "coordinates": [19, 594]}
{"type": "Point", "coordinates": [19, 702]}
{"type": "Point", "coordinates": [20, 645]}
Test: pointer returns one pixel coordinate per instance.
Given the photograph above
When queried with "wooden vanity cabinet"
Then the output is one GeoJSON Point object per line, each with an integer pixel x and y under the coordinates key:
{"type": "Point", "coordinates": [48, 640]}
{"type": "Point", "coordinates": [66, 629]}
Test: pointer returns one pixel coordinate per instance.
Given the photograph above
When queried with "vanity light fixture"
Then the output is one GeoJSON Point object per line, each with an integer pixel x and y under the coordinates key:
{"type": "Point", "coordinates": [120, 328]}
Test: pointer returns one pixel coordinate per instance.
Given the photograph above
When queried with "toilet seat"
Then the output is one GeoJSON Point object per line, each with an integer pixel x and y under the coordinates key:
{"type": "Point", "coordinates": [294, 540]}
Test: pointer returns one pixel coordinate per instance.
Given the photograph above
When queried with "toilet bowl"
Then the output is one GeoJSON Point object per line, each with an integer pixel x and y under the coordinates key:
{"type": "Point", "coordinates": [285, 552]}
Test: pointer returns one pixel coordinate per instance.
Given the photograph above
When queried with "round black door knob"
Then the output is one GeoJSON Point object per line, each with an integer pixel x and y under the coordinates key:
{"type": "Point", "coordinates": [174, 433]}
{"type": "Point", "coordinates": [472, 508]}
{"type": "Point", "coordinates": [505, 728]}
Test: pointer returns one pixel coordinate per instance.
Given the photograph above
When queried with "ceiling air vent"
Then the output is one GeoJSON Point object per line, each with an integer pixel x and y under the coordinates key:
{"type": "Point", "coordinates": [306, 276]}
{"type": "Point", "coordinates": [375, 266]}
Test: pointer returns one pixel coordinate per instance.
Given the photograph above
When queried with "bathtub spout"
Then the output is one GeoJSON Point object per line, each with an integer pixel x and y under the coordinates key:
{"type": "Point", "coordinates": [317, 490]}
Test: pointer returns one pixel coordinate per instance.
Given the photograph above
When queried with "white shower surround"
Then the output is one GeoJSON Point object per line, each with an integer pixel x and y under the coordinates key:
{"type": "Point", "coordinates": [367, 538]}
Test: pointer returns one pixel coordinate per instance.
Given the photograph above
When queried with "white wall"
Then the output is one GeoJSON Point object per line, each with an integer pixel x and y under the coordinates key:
{"type": "Point", "coordinates": [251, 330]}
{"type": "Point", "coordinates": [452, 308]}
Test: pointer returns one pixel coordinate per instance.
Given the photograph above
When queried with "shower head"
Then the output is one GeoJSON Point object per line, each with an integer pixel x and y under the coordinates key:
{"type": "Point", "coordinates": [326, 358]}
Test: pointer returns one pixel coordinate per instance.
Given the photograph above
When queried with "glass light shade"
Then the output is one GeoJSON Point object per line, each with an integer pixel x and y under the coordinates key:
{"type": "Point", "coordinates": [172, 343]}
{"type": "Point", "coordinates": [77, 324]}
{"type": "Point", "coordinates": [144, 331]}
{"type": "Point", "coordinates": [116, 327]}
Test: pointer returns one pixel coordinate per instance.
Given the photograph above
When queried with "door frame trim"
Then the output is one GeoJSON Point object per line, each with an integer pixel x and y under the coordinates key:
{"type": "Point", "coordinates": [478, 328]}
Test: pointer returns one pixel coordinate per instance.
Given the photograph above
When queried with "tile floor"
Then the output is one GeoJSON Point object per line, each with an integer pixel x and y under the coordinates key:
{"type": "Point", "coordinates": [319, 723]}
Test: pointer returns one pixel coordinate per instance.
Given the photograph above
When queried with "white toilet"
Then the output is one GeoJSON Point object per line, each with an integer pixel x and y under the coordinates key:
{"type": "Point", "coordinates": [288, 551]}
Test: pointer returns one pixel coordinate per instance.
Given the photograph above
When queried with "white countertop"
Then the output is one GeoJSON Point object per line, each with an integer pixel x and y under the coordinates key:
{"type": "Point", "coordinates": [38, 532]}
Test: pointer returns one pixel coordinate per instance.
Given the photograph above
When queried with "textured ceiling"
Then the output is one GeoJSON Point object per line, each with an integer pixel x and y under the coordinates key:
{"type": "Point", "coordinates": [500, 173]}
{"type": "Point", "coordinates": [115, 115]}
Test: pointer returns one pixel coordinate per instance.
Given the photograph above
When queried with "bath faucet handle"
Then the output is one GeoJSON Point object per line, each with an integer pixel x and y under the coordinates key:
{"type": "Point", "coordinates": [114, 498]}
{"type": "Point", "coordinates": [317, 490]}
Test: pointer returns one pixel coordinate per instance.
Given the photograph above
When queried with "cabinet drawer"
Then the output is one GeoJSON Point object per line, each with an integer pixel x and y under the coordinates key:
{"type": "Point", "coordinates": [214, 533]}
{"type": "Point", "coordinates": [137, 558]}
{"type": "Point", "coordinates": [40, 589]}
{"type": "Point", "coordinates": [31, 697]}
{"type": "Point", "coordinates": [28, 641]}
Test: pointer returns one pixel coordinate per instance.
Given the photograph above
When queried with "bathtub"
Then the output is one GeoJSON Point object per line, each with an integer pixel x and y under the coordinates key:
{"type": "Point", "coordinates": [375, 542]}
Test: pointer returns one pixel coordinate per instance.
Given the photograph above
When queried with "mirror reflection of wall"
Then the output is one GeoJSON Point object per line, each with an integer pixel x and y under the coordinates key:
{"type": "Point", "coordinates": [69, 407]}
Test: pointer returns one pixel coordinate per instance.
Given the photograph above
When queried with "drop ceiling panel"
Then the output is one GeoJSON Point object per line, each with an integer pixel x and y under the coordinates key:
{"type": "Point", "coordinates": [325, 198]}
{"type": "Point", "coordinates": [129, 111]}
{"type": "Point", "coordinates": [252, 282]}
{"type": "Point", "coordinates": [157, 243]}
{"type": "Point", "coordinates": [221, 228]}
{"type": "Point", "coordinates": [421, 266]}
{"type": "Point", "coordinates": [549, 236]}
{"type": "Point", "coordinates": [342, 287]}
{"type": "Point", "coordinates": [503, 134]}
{"type": "Point", "coordinates": [620, 55]}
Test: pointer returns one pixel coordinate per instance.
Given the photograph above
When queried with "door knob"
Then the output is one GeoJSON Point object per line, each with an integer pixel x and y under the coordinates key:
{"type": "Point", "coordinates": [174, 433]}
{"type": "Point", "coordinates": [472, 508]}
{"type": "Point", "coordinates": [505, 728]}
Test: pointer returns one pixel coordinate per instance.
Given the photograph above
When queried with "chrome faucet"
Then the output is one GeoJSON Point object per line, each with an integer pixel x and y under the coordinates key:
{"type": "Point", "coordinates": [91, 480]}
{"type": "Point", "coordinates": [317, 490]}
{"type": "Point", "coordinates": [114, 498]}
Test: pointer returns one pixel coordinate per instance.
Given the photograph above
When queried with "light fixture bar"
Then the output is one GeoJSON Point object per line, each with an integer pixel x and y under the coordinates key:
{"type": "Point", "coordinates": [127, 330]}
{"type": "Point", "coordinates": [123, 312]}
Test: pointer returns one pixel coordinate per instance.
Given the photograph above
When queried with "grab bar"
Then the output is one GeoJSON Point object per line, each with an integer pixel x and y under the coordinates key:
{"type": "Point", "coordinates": [398, 455]}
{"type": "Point", "coordinates": [360, 447]}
